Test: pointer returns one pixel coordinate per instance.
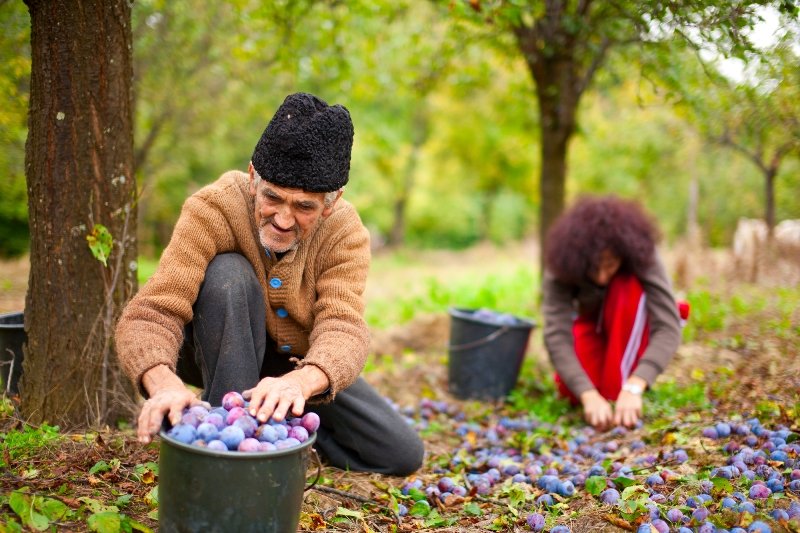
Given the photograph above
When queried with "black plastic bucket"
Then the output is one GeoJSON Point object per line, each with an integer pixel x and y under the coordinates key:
{"type": "Point", "coordinates": [485, 355]}
{"type": "Point", "coordinates": [12, 337]}
{"type": "Point", "coordinates": [210, 491]}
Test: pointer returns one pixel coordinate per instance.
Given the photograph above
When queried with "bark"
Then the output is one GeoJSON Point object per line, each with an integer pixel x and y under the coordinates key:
{"type": "Point", "coordinates": [769, 199]}
{"type": "Point", "coordinates": [79, 170]}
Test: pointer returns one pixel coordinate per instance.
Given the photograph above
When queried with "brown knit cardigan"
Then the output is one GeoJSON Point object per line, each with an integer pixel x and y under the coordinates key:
{"type": "Point", "coordinates": [321, 286]}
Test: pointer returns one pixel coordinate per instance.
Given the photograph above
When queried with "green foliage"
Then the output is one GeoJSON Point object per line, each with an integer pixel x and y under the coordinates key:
{"type": "Point", "coordinates": [667, 397]}
{"type": "Point", "coordinates": [536, 395]}
{"type": "Point", "coordinates": [17, 444]}
{"type": "Point", "coordinates": [15, 65]}
{"type": "Point", "coordinates": [36, 512]}
{"type": "Point", "coordinates": [146, 267]}
{"type": "Point", "coordinates": [513, 293]}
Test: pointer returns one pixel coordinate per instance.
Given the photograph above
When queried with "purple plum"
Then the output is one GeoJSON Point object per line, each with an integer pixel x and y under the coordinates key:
{"type": "Point", "coordinates": [535, 521]}
{"type": "Point", "coordinates": [311, 421]}
{"type": "Point", "coordinates": [232, 399]}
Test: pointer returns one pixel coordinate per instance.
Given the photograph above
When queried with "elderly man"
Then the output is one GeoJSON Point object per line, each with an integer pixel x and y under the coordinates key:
{"type": "Point", "coordinates": [260, 291]}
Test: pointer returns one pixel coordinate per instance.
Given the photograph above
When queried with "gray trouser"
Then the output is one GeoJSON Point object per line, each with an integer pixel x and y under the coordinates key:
{"type": "Point", "coordinates": [226, 348]}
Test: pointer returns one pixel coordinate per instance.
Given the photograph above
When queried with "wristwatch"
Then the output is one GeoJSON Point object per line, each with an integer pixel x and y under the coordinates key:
{"type": "Point", "coordinates": [633, 389]}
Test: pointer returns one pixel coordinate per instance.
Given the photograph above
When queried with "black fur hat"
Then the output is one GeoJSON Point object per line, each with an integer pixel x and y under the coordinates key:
{"type": "Point", "coordinates": [306, 145]}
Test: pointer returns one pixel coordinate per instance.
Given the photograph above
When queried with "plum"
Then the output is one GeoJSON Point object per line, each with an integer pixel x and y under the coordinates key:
{"type": "Point", "coordinates": [235, 414]}
{"type": "Point", "coordinates": [545, 500]}
{"type": "Point", "coordinates": [700, 514]}
{"type": "Point", "coordinates": [535, 521]}
{"type": "Point", "coordinates": [759, 527]}
{"type": "Point", "coordinates": [217, 445]}
{"type": "Point", "coordinates": [216, 419]}
{"type": "Point", "coordinates": [660, 525]}
{"type": "Point", "coordinates": [184, 433]}
{"type": "Point", "coordinates": [654, 479]}
{"type": "Point", "coordinates": [299, 432]}
{"type": "Point", "coordinates": [249, 444]}
{"type": "Point", "coordinates": [311, 421]}
{"type": "Point", "coordinates": [675, 515]}
{"type": "Point", "coordinates": [760, 492]}
{"type": "Point", "coordinates": [207, 431]}
{"type": "Point", "coordinates": [231, 436]}
{"type": "Point", "coordinates": [232, 399]}
{"type": "Point", "coordinates": [609, 496]}
{"type": "Point", "coordinates": [566, 489]}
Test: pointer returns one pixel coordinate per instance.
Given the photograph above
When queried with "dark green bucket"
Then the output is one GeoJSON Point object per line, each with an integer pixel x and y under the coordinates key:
{"type": "Point", "coordinates": [485, 356]}
{"type": "Point", "coordinates": [210, 491]}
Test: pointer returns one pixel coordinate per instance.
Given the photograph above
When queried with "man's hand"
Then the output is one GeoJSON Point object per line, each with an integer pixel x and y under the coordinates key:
{"type": "Point", "coordinates": [168, 396]}
{"type": "Point", "coordinates": [274, 397]}
{"type": "Point", "coordinates": [165, 402]}
{"type": "Point", "coordinates": [628, 408]}
{"type": "Point", "coordinates": [596, 410]}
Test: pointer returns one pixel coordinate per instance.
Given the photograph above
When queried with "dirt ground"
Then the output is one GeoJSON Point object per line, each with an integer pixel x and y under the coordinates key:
{"type": "Point", "coordinates": [412, 364]}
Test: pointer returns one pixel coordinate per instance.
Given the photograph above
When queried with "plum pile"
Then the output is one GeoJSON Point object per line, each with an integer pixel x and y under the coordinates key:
{"type": "Point", "coordinates": [734, 476]}
{"type": "Point", "coordinates": [230, 427]}
{"type": "Point", "coordinates": [495, 318]}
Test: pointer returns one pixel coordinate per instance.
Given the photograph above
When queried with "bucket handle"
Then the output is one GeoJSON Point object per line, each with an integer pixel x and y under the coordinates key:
{"type": "Point", "coordinates": [319, 471]}
{"type": "Point", "coordinates": [480, 342]}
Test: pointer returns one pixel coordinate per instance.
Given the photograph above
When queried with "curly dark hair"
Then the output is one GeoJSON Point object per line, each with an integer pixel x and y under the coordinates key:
{"type": "Point", "coordinates": [593, 224]}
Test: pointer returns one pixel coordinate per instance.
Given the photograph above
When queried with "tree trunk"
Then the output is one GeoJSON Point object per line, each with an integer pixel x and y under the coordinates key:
{"type": "Point", "coordinates": [419, 135]}
{"type": "Point", "coordinates": [79, 168]}
{"type": "Point", "coordinates": [560, 80]}
{"type": "Point", "coordinates": [769, 199]}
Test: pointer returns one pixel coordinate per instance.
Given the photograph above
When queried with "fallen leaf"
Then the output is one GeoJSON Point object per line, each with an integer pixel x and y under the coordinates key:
{"type": "Point", "coordinates": [619, 522]}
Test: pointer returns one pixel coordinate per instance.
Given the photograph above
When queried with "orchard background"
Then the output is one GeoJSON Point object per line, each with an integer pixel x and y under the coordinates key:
{"type": "Point", "coordinates": [476, 122]}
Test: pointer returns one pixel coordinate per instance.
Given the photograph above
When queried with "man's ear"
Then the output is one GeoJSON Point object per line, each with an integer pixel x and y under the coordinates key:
{"type": "Point", "coordinates": [326, 212]}
{"type": "Point", "coordinates": [252, 172]}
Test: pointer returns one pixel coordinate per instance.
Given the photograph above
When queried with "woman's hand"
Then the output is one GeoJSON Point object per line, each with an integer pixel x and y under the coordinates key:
{"type": "Point", "coordinates": [628, 408]}
{"type": "Point", "coordinates": [596, 410]}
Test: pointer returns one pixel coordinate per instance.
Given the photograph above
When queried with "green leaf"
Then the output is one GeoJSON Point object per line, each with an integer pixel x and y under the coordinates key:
{"type": "Point", "coordinates": [720, 483]}
{"type": "Point", "coordinates": [97, 507]}
{"type": "Point", "coordinates": [151, 498]}
{"type": "Point", "coordinates": [52, 509]}
{"type": "Point", "coordinates": [473, 509]}
{"type": "Point", "coordinates": [100, 466]}
{"type": "Point", "coordinates": [416, 495]}
{"type": "Point", "coordinates": [421, 508]}
{"type": "Point", "coordinates": [633, 490]}
{"type": "Point", "coordinates": [123, 500]}
{"type": "Point", "coordinates": [342, 511]}
{"type": "Point", "coordinates": [436, 520]}
{"type": "Point", "coordinates": [22, 504]}
{"type": "Point", "coordinates": [138, 526]}
{"type": "Point", "coordinates": [100, 243]}
{"type": "Point", "coordinates": [595, 485]}
{"type": "Point", "coordinates": [623, 482]}
{"type": "Point", "coordinates": [108, 522]}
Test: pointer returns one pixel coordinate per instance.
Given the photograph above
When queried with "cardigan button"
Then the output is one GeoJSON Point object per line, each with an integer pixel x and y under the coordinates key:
{"type": "Point", "coordinates": [275, 283]}
{"type": "Point", "coordinates": [282, 313]}
{"type": "Point", "coordinates": [286, 348]}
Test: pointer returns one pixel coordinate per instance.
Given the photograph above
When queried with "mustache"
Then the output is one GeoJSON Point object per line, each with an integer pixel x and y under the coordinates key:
{"type": "Point", "coordinates": [269, 220]}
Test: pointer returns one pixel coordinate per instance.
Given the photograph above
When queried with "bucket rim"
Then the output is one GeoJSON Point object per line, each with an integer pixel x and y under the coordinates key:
{"type": "Point", "coordinates": [465, 313]}
{"type": "Point", "coordinates": [236, 455]}
{"type": "Point", "coordinates": [12, 315]}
